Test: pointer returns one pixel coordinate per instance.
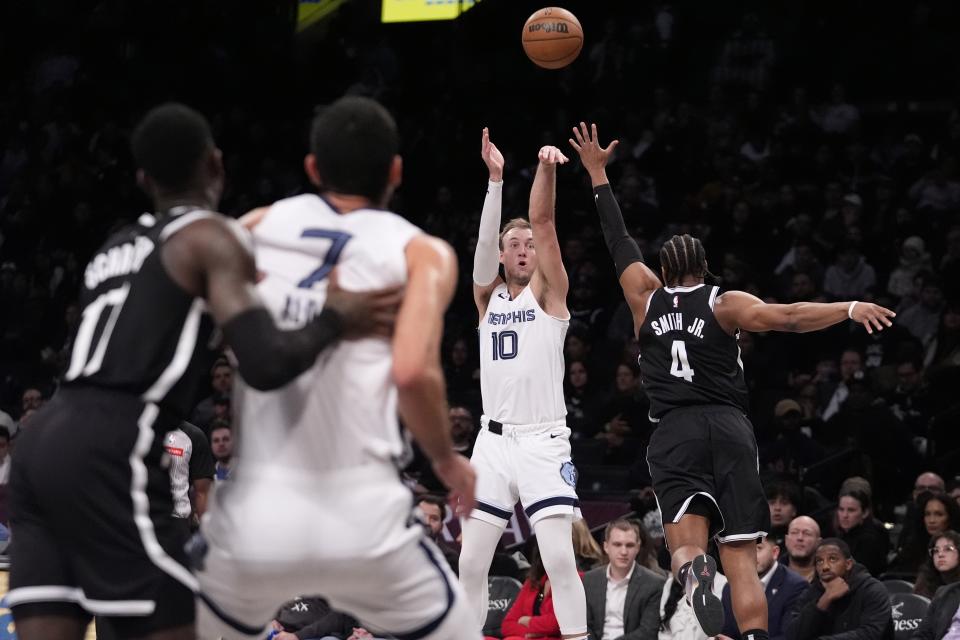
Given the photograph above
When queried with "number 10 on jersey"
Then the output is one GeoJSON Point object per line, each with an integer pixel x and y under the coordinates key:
{"type": "Point", "coordinates": [504, 345]}
{"type": "Point", "coordinates": [680, 367]}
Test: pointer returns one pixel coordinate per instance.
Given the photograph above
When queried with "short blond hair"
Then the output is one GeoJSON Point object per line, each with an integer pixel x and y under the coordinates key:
{"type": "Point", "coordinates": [516, 223]}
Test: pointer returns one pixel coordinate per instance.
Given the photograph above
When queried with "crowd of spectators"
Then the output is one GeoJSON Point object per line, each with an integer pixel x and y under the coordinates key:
{"type": "Point", "coordinates": [813, 164]}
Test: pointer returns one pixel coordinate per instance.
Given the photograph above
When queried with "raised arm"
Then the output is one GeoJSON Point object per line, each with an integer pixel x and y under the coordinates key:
{"type": "Point", "coordinates": [740, 310]}
{"type": "Point", "coordinates": [637, 280]}
{"type": "Point", "coordinates": [486, 259]}
{"type": "Point", "coordinates": [422, 398]}
{"type": "Point", "coordinates": [550, 282]}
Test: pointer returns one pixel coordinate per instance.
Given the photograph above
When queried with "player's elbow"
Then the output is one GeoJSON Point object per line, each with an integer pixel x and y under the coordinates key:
{"type": "Point", "coordinates": [413, 373]}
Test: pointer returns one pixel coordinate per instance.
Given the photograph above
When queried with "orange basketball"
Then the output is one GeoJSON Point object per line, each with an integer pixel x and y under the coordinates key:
{"type": "Point", "coordinates": [552, 37]}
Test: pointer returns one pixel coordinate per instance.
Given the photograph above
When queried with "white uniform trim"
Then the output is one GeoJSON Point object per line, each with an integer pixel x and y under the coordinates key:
{"type": "Point", "coordinates": [686, 505]}
{"type": "Point", "coordinates": [713, 297]}
{"type": "Point", "coordinates": [186, 220]}
{"type": "Point", "coordinates": [741, 537]}
{"type": "Point", "coordinates": [141, 504]}
{"type": "Point", "coordinates": [181, 357]}
{"type": "Point", "coordinates": [682, 289]}
{"type": "Point", "coordinates": [57, 593]}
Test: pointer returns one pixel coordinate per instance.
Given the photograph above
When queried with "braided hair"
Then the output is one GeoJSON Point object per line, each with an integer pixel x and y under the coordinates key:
{"type": "Point", "coordinates": [683, 256]}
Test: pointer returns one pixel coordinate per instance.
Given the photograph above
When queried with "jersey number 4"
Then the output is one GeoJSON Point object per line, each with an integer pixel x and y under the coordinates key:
{"type": "Point", "coordinates": [681, 364]}
{"type": "Point", "coordinates": [81, 362]}
{"type": "Point", "coordinates": [338, 240]}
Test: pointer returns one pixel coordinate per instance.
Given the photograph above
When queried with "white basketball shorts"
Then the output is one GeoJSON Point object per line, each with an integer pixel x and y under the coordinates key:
{"type": "Point", "coordinates": [530, 462]}
{"type": "Point", "coordinates": [346, 535]}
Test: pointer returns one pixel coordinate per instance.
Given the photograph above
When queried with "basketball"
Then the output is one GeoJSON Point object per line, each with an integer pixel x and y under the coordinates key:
{"type": "Point", "coordinates": [552, 38]}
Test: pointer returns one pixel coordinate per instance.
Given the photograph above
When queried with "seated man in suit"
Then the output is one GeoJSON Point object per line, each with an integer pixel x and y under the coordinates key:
{"type": "Point", "coordinates": [781, 585]}
{"type": "Point", "coordinates": [623, 598]}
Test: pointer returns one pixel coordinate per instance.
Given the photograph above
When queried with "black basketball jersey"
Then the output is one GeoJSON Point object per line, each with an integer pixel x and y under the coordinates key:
{"type": "Point", "coordinates": [686, 358]}
{"type": "Point", "coordinates": [139, 331]}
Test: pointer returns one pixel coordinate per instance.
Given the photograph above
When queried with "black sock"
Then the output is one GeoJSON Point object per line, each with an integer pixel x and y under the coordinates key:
{"type": "Point", "coordinates": [682, 574]}
{"type": "Point", "coordinates": [755, 634]}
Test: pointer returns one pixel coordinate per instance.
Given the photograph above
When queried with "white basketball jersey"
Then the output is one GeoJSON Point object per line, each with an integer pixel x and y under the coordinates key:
{"type": "Point", "coordinates": [342, 412]}
{"type": "Point", "coordinates": [521, 360]}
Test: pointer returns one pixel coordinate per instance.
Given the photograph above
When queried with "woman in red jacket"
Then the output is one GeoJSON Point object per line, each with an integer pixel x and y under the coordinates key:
{"type": "Point", "coordinates": [531, 615]}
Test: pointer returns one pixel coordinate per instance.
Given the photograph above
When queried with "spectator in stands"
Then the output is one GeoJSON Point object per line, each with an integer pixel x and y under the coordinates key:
{"type": "Point", "coordinates": [781, 586]}
{"type": "Point", "coordinates": [4, 455]}
{"type": "Point", "coordinates": [944, 349]}
{"type": "Point", "coordinates": [908, 400]}
{"type": "Point", "coordinates": [791, 448]}
{"type": "Point", "coordinates": [784, 499]}
{"type": "Point", "coordinates": [313, 619]}
{"type": "Point", "coordinates": [585, 548]}
{"type": "Point", "coordinates": [624, 416]}
{"type": "Point", "coordinates": [221, 443]}
{"type": "Point", "coordinates": [943, 565]}
{"type": "Point", "coordinates": [844, 601]}
{"type": "Point", "coordinates": [936, 514]}
{"type": "Point", "coordinates": [221, 381]}
{"type": "Point", "coordinates": [850, 277]}
{"type": "Point", "coordinates": [922, 319]}
{"type": "Point", "coordinates": [837, 116]}
{"type": "Point", "coordinates": [31, 400]}
{"type": "Point", "coordinates": [851, 369]}
{"type": "Point", "coordinates": [867, 539]}
{"type": "Point", "coordinates": [803, 538]}
{"type": "Point", "coordinates": [623, 597]}
{"type": "Point", "coordinates": [942, 620]}
{"type": "Point", "coordinates": [677, 619]}
{"type": "Point", "coordinates": [953, 489]}
{"type": "Point", "coordinates": [913, 259]}
{"type": "Point", "coordinates": [461, 372]}
{"type": "Point", "coordinates": [582, 401]}
{"type": "Point", "coordinates": [532, 612]}
{"type": "Point", "coordinates": [462, 428]}
{"type": "Point", "coordinates": [433, 512]}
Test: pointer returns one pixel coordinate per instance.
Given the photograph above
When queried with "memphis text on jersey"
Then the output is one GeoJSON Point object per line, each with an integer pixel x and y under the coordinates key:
{"type": "Point", "coordinates": [522, 315]}
{"type": "Point", "coordinates": [674, 322]}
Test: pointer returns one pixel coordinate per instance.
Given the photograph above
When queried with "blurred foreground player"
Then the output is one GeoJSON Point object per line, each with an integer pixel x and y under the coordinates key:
{"type": "Point", "coordinates": [703, 454]}
{"type": "Point", "coordinates": [95, 536]}
{"type": "Point", "coordinates": [316, 503]}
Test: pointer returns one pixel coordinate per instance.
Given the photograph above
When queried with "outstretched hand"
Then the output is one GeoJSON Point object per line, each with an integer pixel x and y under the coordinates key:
{"type": "Point", "coordinates": [552, 156]}
{"type": "Point", "coordinates": [364, 312]}
{"type": "Point", "coordinates": [872, 316]}
{"type": "Point", "coordinates": [491, 156]}
{"type": "Point", "coordinates": [592, 155]}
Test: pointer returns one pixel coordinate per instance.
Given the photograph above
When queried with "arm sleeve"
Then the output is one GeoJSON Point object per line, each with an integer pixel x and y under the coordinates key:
{"type": "Point", "coordinates": [623, 249]}
{"type": "Point", "coordinates": [486, 260]}
{"type": "Point", "coordinates": [270, 358]}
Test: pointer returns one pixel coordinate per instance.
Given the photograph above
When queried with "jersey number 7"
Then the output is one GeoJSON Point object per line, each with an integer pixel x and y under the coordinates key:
{"type": "Point", "coordinates": [338, 241]}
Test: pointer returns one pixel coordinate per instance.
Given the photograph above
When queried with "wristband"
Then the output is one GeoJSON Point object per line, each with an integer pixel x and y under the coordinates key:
{"type": "Point", "coordinates": [850, 310]}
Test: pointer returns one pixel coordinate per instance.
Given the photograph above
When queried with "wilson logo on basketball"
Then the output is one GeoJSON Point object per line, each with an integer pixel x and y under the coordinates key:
{"type": "Point", "coordinates": [549, 27]}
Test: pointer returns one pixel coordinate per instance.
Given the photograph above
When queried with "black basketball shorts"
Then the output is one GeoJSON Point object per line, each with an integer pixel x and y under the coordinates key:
{"type": "Point", "coordinates": [90, 514]}
{"type": "Point", "coordinates": [708, 455]}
